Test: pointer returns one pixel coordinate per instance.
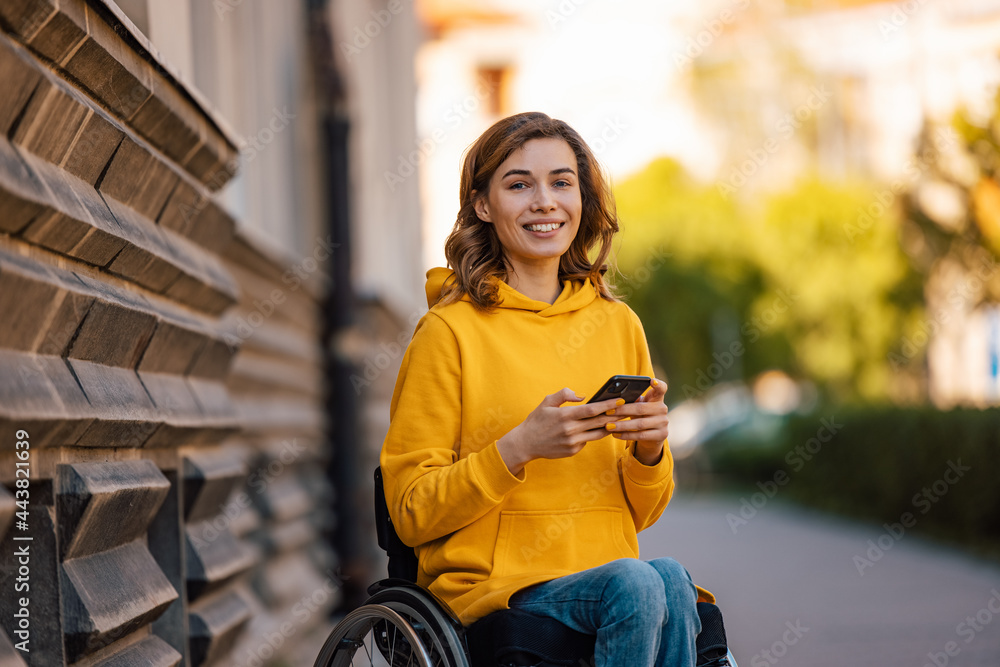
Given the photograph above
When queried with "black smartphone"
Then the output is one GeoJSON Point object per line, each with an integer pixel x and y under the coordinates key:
{"type": "Point", "coordinates": [628, 387]}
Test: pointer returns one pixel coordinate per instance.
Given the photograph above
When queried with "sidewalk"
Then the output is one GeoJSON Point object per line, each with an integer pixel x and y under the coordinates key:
{"type": "Point", "coordinates": [788, 582]}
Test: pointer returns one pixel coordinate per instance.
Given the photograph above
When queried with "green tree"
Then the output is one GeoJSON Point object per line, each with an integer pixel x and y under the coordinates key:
{"type": "Point", "coordinates": [781, 285]}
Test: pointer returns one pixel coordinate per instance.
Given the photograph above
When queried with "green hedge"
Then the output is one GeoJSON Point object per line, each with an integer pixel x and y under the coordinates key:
{"type": "Point", "coordinates": [943, 468]}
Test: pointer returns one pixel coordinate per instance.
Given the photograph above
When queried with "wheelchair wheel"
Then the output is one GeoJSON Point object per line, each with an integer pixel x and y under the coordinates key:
{"type": "Point", "coordinates": [395, 628]}
{"type": "Point", "coordinates": [373, 635]}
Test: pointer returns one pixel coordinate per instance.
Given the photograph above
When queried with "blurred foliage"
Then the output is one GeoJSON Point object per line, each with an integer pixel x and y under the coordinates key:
{"type": "Point", "coordinates": [881, 463]}
{"type": "Point", "coordinates": [953, 212]}
{"type": "Point", "coordinates": [951, 228]}
{"type": "Point", "coordinates": [805, 282]}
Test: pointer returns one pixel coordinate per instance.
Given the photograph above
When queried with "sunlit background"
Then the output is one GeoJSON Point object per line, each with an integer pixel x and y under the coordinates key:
{"type": "Point", "coordinates": [816, 176]}
{"type": "Point", "coordinates": [254, 190]}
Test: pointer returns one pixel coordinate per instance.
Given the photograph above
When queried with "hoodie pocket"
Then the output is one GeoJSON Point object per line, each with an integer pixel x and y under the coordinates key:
{"type": "Point", "coordinates": [570, 540]}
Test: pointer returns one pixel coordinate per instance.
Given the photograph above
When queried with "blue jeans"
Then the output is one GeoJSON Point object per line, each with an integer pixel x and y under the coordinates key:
{"type": "Point", "coordinates": [643, 613]}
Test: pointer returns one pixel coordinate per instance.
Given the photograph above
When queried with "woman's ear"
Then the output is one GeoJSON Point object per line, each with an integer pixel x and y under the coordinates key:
{"type": "Point", "coordinates": [481, 207]}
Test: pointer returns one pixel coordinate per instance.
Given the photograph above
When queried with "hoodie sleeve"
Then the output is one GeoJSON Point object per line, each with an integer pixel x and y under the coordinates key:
{"type": "Point", "coordinates": [429, 490]}
{"type": "Point", "coordinates": [647, 488]}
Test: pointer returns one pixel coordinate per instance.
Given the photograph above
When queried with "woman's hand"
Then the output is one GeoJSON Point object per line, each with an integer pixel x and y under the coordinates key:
{"type": "Point", "coordinates": [647, 425]}
{"type": "Point", "coordinates": [554, 432]}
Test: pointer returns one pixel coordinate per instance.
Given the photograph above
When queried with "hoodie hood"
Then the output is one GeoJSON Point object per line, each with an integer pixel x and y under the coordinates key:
{"type": "Point", "coordinates": [575, 294]}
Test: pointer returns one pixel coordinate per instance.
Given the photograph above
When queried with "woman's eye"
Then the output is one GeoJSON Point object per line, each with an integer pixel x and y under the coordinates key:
{"type": "Point", "coordinates": [563, 184]}
{"type": "Point", "coordinates": [518, 186]}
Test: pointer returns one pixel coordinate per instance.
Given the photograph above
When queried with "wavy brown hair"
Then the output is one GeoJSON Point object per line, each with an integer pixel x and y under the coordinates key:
{"type": "Point", "coordinates": [473, 248]}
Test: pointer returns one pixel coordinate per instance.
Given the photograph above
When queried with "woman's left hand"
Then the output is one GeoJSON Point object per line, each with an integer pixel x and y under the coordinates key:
{"type": "Point", "coordinates": [647, 424]}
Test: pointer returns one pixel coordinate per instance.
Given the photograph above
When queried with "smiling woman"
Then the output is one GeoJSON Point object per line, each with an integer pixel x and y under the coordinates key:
{"type": "Point", "coordinates": [518, 160]}
{"type": "Point", "coordinates": [512, 491]}
{"type": "Point", "coordinates": [534, 204]}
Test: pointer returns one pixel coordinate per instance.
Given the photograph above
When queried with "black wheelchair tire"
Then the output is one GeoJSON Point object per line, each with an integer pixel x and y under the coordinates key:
{"type": "Point", "coordinates": [348, 637]}
{"type": "Point", "coordinates": [425, 637]}
{"type": "Point", "coordinates": [447, 642]}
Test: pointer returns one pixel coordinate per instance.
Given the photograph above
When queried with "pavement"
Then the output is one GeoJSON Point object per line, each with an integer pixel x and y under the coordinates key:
{"type": "Point", "coordinates": [800, 588]}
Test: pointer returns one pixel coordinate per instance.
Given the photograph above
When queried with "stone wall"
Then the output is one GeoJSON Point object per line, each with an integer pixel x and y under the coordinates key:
{"type": "Point", "coordinates": [161, 445]}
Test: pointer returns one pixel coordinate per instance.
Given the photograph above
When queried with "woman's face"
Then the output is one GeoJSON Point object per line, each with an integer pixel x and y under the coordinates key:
{"type": "Point", "coordinates": [534, 202]}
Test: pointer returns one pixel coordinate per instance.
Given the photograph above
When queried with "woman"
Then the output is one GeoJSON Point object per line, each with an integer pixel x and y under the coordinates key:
{"type": "Point", "coordinates": [512, 491]}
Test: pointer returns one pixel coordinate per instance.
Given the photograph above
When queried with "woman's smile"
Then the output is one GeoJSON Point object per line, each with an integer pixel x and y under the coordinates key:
{"type": "Point", "coordinates": [544, 229]}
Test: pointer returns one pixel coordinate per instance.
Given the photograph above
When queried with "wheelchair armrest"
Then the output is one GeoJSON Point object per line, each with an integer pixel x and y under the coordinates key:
{"type": "Point", "coordinates": [402, 559]}
{"type": "Point", "coordinates": [393, 582]}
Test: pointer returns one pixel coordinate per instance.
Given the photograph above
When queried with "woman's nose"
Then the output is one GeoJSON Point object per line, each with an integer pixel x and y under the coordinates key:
{"type": "Point", "coordinates": [544, 201]}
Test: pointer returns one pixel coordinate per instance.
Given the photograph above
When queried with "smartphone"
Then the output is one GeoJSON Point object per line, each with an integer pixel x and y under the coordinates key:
{"type": "Point", "coordinates": [628, 387]}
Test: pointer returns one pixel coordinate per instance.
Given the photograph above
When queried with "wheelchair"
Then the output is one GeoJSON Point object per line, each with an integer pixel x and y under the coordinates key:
{"type": "Point", "coordinates": [404, 625]}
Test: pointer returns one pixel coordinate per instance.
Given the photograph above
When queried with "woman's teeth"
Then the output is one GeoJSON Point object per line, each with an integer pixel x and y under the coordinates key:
{"type": "Point", "coordinates": [547, 227]}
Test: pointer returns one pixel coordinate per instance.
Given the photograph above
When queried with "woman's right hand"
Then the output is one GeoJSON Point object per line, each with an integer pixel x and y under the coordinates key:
{"type": "Point", "coordinates": [554, 432]}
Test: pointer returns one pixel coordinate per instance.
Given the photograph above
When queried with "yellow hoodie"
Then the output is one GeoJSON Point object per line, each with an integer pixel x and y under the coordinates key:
{"type": "Point", "coordinates": [466, 379]}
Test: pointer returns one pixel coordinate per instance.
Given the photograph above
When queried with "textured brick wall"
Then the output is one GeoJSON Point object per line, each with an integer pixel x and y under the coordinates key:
{"type": "Point", "coordinates": [174, 459]}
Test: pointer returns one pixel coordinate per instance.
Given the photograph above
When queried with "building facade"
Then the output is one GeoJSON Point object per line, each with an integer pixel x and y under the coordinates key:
{"type": "Point", "coordinates": [173, 186]}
